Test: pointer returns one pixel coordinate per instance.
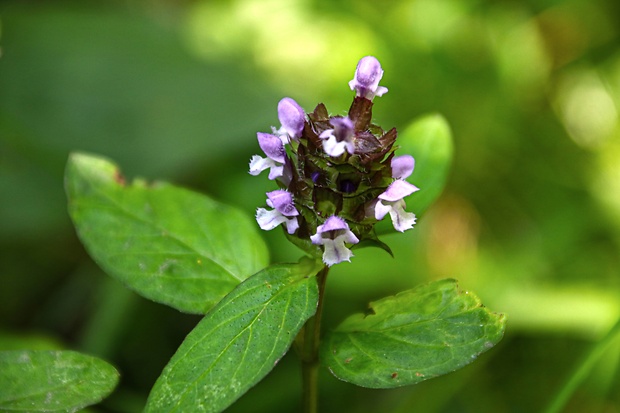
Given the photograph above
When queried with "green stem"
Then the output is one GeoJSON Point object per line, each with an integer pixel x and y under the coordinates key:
{"type": "Point", "coordinates": [582, 370]}
{"type": "Point", "coordinates": [113, 307]}
{"type": "Point", "coordinates": [309, 349]}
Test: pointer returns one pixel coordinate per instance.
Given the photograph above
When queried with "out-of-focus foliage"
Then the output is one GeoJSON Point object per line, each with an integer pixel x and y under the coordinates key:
{"type": "Point", "coordinates": [177, 90]}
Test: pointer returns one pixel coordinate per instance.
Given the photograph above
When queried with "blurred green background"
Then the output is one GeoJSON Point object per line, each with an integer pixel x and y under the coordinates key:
{"type": "Point", "coordinates": [176, 90]}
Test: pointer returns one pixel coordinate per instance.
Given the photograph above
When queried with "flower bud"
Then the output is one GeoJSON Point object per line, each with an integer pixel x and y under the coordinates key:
{"type": "Point", "coordinates": [292, 117]}
{"type": "Point", "coordinates": [367, 77]}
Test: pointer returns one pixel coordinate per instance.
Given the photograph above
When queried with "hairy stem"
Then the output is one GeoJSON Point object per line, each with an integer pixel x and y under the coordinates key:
{"type": "Point", "coordinates": [309, 350]}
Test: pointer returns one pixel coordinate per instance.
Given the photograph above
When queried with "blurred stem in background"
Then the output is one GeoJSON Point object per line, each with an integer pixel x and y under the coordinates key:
{"type": "Point", "coordinates": [584, 368]}
{"type": "Point", "coordinates": [111, 316]}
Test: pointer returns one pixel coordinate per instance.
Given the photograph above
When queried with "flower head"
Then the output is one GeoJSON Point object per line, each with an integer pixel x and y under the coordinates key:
{"type": "Point", "coordinates": [366, 80]}
{"type": "Point", "coordinates": [337, 175]}
{"type": "Point", "coordinates": [292, 118]}
{"type": "Point", "coordinates": [333, 234]}
{"type": "Point", "coordinates": [275, 161]}
{"type": "Point", "coordinates": [336, 140]}
{"type": "Point", "coordinates": [283, 211]}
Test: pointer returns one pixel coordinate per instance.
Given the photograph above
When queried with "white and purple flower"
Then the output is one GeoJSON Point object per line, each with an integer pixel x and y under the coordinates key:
{"type": "Point", "coordinates": [349, 165]}
{"type": "Point", "coordinates": [366, 80]}
{"type": "Point", "coordinates": [275, 160]}
{"type": "Point", "coordinates": [292, 118]}
{"type": "Point", "coordinates": [339, 139]}
{"type": "Point", "coordinates": [283, 212]}
{"type": "Point", "coordinates": [391, 201]}
{"type": "Point", "coordinates": [333, 235]}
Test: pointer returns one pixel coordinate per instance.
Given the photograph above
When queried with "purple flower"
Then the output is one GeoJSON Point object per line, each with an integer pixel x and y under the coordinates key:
{"type": "Point", "coordinates": [391, 201]}
{"type": "Point", "coordinates": [275, 160]}
{"type": "Point", "coordinates": [336, 140]}
{"type": "Point", "coordinates": [332, 235]}
{"type": "Point", "coordinates": [402, 166]}
{"type": "Point", "coordinates": [367, 76]}
{"type": "Point", "coordinates": [283, 212]}
{"type": "Point", "coordinates": [292, 117]}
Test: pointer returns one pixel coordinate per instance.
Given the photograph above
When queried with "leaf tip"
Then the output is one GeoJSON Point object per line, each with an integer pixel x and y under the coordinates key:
{"type": "Point", "coordinates": [94, 168]}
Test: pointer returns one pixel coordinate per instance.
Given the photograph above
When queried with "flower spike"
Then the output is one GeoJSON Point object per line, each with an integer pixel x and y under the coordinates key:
{"type": "Point", "coordinates": [337, 175]}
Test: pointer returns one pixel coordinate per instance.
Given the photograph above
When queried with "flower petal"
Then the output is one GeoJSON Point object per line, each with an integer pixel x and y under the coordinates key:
{"type": "Point", "coordinates": [327, 134]}
{"type": "Point", "coordinates": [276, 171]}
{"type": "Point", "coordinates": [282, 201]}
{"type": "Point", "coordinates": [291, 116]}
{"type": "Point", "coordinates": [367, 76]}
{"type": "Point", "coordinates": [272, 146]}
{"type": "Point", "coordinates": [343, 127]}
{"type": "Point", "coordinates": [259, 164]}
{"type": "Point", "coordinates": [333, 223]}
{"type": "Point", "coordinates": [292, 224]}
{"type": "Point", "coordinates": [402, 166]}
{"type": "Point", "coordinates": [268, 220]}
{"type": "Point", "coordinates": [398, 190]}
{"type": "Point", "coordinates": [335, 252]}
{"type": "Point", "coordinates": [368, 72]}
{"type": "Point", "coordinates": [401, 219]}
{"type": "Point", "coordinates": [348, 237]}
{"type": "Point", "coordinates": [381, 209]}
{"type": "Point", "coordinates": [334, 148]}
{"type": "Point", "coordinates": [317, 239]}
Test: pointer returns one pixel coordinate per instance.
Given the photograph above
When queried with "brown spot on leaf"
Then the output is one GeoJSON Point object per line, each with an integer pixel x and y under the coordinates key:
{"type": "Point", "coordinates": [394, 375]}
{"type": "Point", "coordinates": [119, 178]}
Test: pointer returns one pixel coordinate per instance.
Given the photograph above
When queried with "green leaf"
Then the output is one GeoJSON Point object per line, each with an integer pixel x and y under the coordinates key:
{"type": "Point", "coordinates": [169, 244]}
{"type": "Point", "coordinates": [238, 342]}
{"type": "Point", "coordinates": [413, 336]}
{"type": "Point", "coordinates": [52, 381]}
{"type": "Point", "coordinates": [429, 140]}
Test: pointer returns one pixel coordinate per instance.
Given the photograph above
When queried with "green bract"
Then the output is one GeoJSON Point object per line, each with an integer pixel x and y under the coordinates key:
{"type": "Point", "coordinates": [169, 244]}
